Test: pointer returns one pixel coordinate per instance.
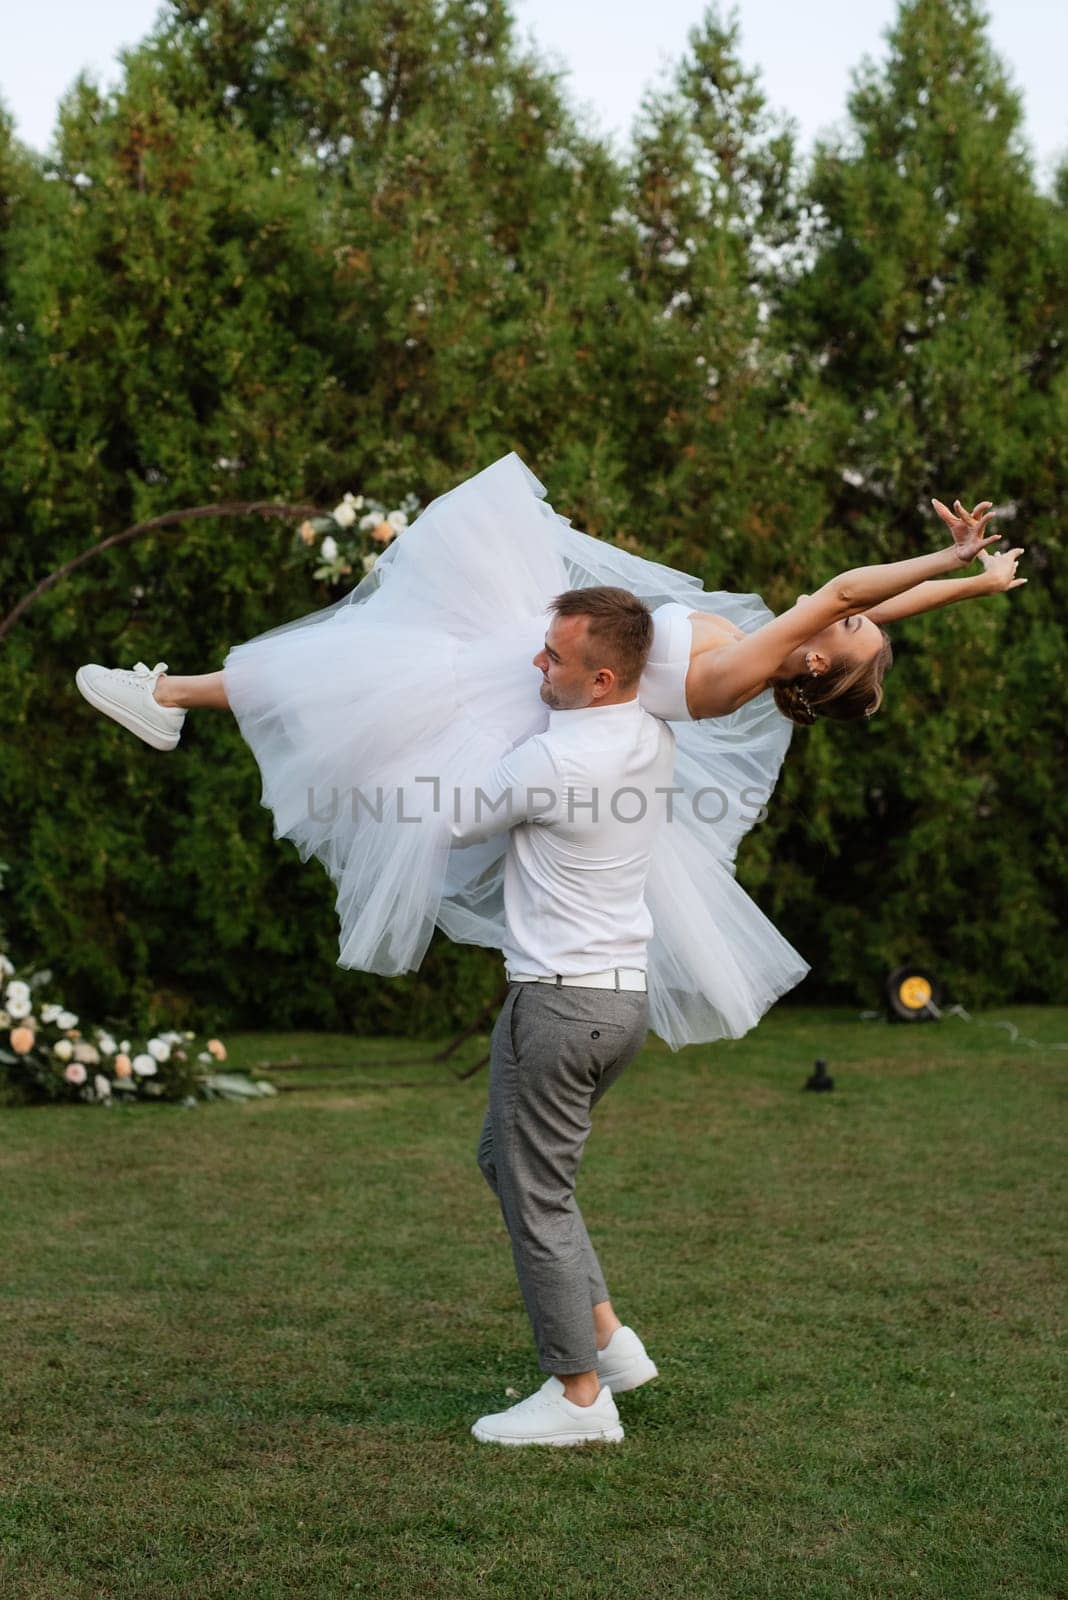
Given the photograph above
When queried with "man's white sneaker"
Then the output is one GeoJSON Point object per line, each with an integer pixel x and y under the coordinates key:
{"type": "Point", "coordinates": [130, 698]}
{"type": "Point", "coordinates": [549, 1417]}
{"type": "Point", "coordinates": [623, 1363]}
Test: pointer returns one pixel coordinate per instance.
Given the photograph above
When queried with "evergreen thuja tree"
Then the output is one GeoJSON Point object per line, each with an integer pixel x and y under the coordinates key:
{"type": "Point", "coordinates": [934, 309]}
{"type": "Point", "coordinates": [713, 215]}
{"type": "Point", "coordinates": [166, 305]}
{"type": "Point", "coordinates": [468, 215]}
{"type": "Point", "coordinates": [728, 464]}
{"type": "Point", "coordinates": [297, 250]}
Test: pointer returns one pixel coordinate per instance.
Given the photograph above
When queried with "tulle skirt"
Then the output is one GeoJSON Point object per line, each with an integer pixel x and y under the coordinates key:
{"type": "Point", "coordinates": [365, 716]}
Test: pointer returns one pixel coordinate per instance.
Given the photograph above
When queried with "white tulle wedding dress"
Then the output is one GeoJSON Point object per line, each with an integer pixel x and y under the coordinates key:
{"type": "Point", "coordinates": [364, 716]}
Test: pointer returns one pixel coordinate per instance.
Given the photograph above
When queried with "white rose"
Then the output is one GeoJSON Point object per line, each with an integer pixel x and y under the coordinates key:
{"type": "Point", "coordinates": [144, 1066]}
{"type": "Point", "coordinates": [204, 1056]}
{"type": "Point", "coordinates": [398, 520]}
{"type": "Point", "coordinates": [125, 1047]}
{"type": "Point", "coordinates": [17, 990]}
{"type": "Point", "coordinates": [328, 548]}
{"type": "Point", "coordinates": [106, 1044]}
{"type": "Point", "coordinates": [87, 1053]}
{"type": "Point", "coordinates": [18, 1007]}
{"type": "Point", "coordinates": [158, 1049]}
{"type": "Point", "coordinates": [67, 1019]}
{"type": "Point", "coordinates": [344, 515]}
{"type": "Point", "coordinates": [369, 562]}
{"type": "Point", "coordinates": [63, 1049]}
{"type": "Point", "coordinates": [6, 969]}
{"type": "Point", "coordinates": [371, 520]}
{"type": "Point", "coordinates": [50, 1012]}
{"type": "Point", "coordinates": [353, 500]}
{"type": "Point", "coordinates": [102, 1085]}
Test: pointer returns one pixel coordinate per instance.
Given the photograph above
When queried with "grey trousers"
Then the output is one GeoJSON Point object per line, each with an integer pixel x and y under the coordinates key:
{"type": "Point", "coordinates": [553, 1054]}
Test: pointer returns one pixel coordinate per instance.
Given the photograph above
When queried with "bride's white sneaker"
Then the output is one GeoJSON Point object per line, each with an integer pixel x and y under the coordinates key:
{"type": "Point", "coordinates": [549, 1417]}
{"type": "Point", "coordinates": [623, 1363]}
{"type": "Point", "coordinates": [130, 698]}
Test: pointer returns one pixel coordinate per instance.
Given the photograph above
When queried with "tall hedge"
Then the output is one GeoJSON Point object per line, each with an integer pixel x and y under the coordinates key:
{"type": "Point", "coordinates": [311, 247]}
{"type": "Point", "coordinates": [935, 312]}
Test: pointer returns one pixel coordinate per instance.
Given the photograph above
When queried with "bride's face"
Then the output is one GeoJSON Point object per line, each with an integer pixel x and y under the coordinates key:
{"type": "Point", "coordinates": [567, 682]}
{"type": "Point", "coordinates": [855, 638]}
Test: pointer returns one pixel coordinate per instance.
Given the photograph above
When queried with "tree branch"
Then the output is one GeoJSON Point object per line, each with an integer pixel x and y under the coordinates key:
{"type": "Point", "coordinates": [229, 508]}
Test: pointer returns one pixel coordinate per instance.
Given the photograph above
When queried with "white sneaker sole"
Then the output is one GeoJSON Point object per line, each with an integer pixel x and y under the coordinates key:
{"type": "Point", "coordinates": [125, 716]}
{"type": "Point", "coordinates": [606, 1436]}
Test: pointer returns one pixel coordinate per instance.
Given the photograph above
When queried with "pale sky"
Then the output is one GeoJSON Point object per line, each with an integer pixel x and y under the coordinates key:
{"type": "Point", "coordinates": [612, 50]}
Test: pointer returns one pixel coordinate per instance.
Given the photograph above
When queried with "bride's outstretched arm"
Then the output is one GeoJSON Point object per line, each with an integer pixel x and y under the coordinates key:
{"type": "Point", "coordinates": [999, 575]}
{"type": "Point", "coordinates": [722, 680]}
{"type": "Point", "coordinates": [867, 586]}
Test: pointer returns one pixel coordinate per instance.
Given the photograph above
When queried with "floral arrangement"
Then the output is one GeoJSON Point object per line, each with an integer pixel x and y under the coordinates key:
{"type": "Point", "coordinates": [43, 1050]}
{"type": "Point", "coordinates": [49, 1057]}
{"type": "Point", "coordinates": [354, 535]}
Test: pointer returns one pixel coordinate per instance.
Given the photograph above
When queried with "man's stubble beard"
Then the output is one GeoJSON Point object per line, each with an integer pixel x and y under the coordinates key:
{"type": "Point", "coordinates": [557, 702]}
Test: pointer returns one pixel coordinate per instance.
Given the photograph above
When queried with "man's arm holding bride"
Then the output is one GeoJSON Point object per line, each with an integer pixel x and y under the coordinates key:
{"type": "Point", "coordinates": [522, 786]}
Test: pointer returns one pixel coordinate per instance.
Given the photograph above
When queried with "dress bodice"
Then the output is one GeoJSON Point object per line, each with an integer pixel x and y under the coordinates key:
{"type": "Point", "coordinates": [662, 687]}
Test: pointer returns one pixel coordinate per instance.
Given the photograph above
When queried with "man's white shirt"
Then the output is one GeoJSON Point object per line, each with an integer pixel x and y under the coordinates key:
{"type": "Point", "coordinates": [583, 802]}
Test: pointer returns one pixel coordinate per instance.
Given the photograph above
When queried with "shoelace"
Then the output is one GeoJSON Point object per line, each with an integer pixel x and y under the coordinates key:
{"type": "Point", "coordinates": [533, 1402]}
{"type": "Point", "coordinates": [146, 672]}
{"type": "Point", "coordinates": [541, 1402]}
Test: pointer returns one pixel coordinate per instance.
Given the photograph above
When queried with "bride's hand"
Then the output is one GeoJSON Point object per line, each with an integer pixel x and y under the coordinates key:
{"type": "Point", "coordinates": [967, 527]}
{"type": "Point", "coordinates": [1000, 568]}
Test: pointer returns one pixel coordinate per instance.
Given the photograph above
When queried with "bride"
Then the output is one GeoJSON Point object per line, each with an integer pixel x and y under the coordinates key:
{"type": "Point", "coordinates": [364, 716]}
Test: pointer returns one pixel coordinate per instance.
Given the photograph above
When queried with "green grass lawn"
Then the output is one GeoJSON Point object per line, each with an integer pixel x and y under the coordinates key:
{"type": "Point", "coordinates": [243, 1344]}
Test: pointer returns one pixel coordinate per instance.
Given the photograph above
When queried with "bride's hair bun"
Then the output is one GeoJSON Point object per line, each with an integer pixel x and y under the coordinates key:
{"type": "Point", "coordinates": [846, 692]}
{"type": "Point", "coordinates": [793, 702]}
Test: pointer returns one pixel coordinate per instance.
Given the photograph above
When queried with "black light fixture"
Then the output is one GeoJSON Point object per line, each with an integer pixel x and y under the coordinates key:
{"type": "Point", "coordinates": [913, 994]}
{"type": "Point", "coordinates": [819, 1079]}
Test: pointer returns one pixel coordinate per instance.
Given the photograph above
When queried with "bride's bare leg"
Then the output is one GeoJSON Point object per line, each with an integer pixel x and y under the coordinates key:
{"type": "Point", "coordinates": [205, 689]}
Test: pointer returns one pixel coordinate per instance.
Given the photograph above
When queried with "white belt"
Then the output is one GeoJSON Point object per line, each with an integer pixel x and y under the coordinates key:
{"type": "Point", "coordinates": [611, 978]}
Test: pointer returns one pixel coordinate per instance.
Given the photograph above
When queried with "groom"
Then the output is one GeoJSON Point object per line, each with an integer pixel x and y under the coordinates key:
{"type": "Point", "coordinates": [582, 802]}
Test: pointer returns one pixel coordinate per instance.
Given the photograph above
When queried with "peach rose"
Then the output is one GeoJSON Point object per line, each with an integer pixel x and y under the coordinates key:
{"type": "Point", "coordinates": [217, 1048]}
{"type": "Point", "coordinates": [307, 533]}
{"type": "Point", "coordinates": [22, 1040]}
{"type": "Point", "coordinates": [383, 533]}
{"type": "Point", "coordinates": [121, 1066]}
